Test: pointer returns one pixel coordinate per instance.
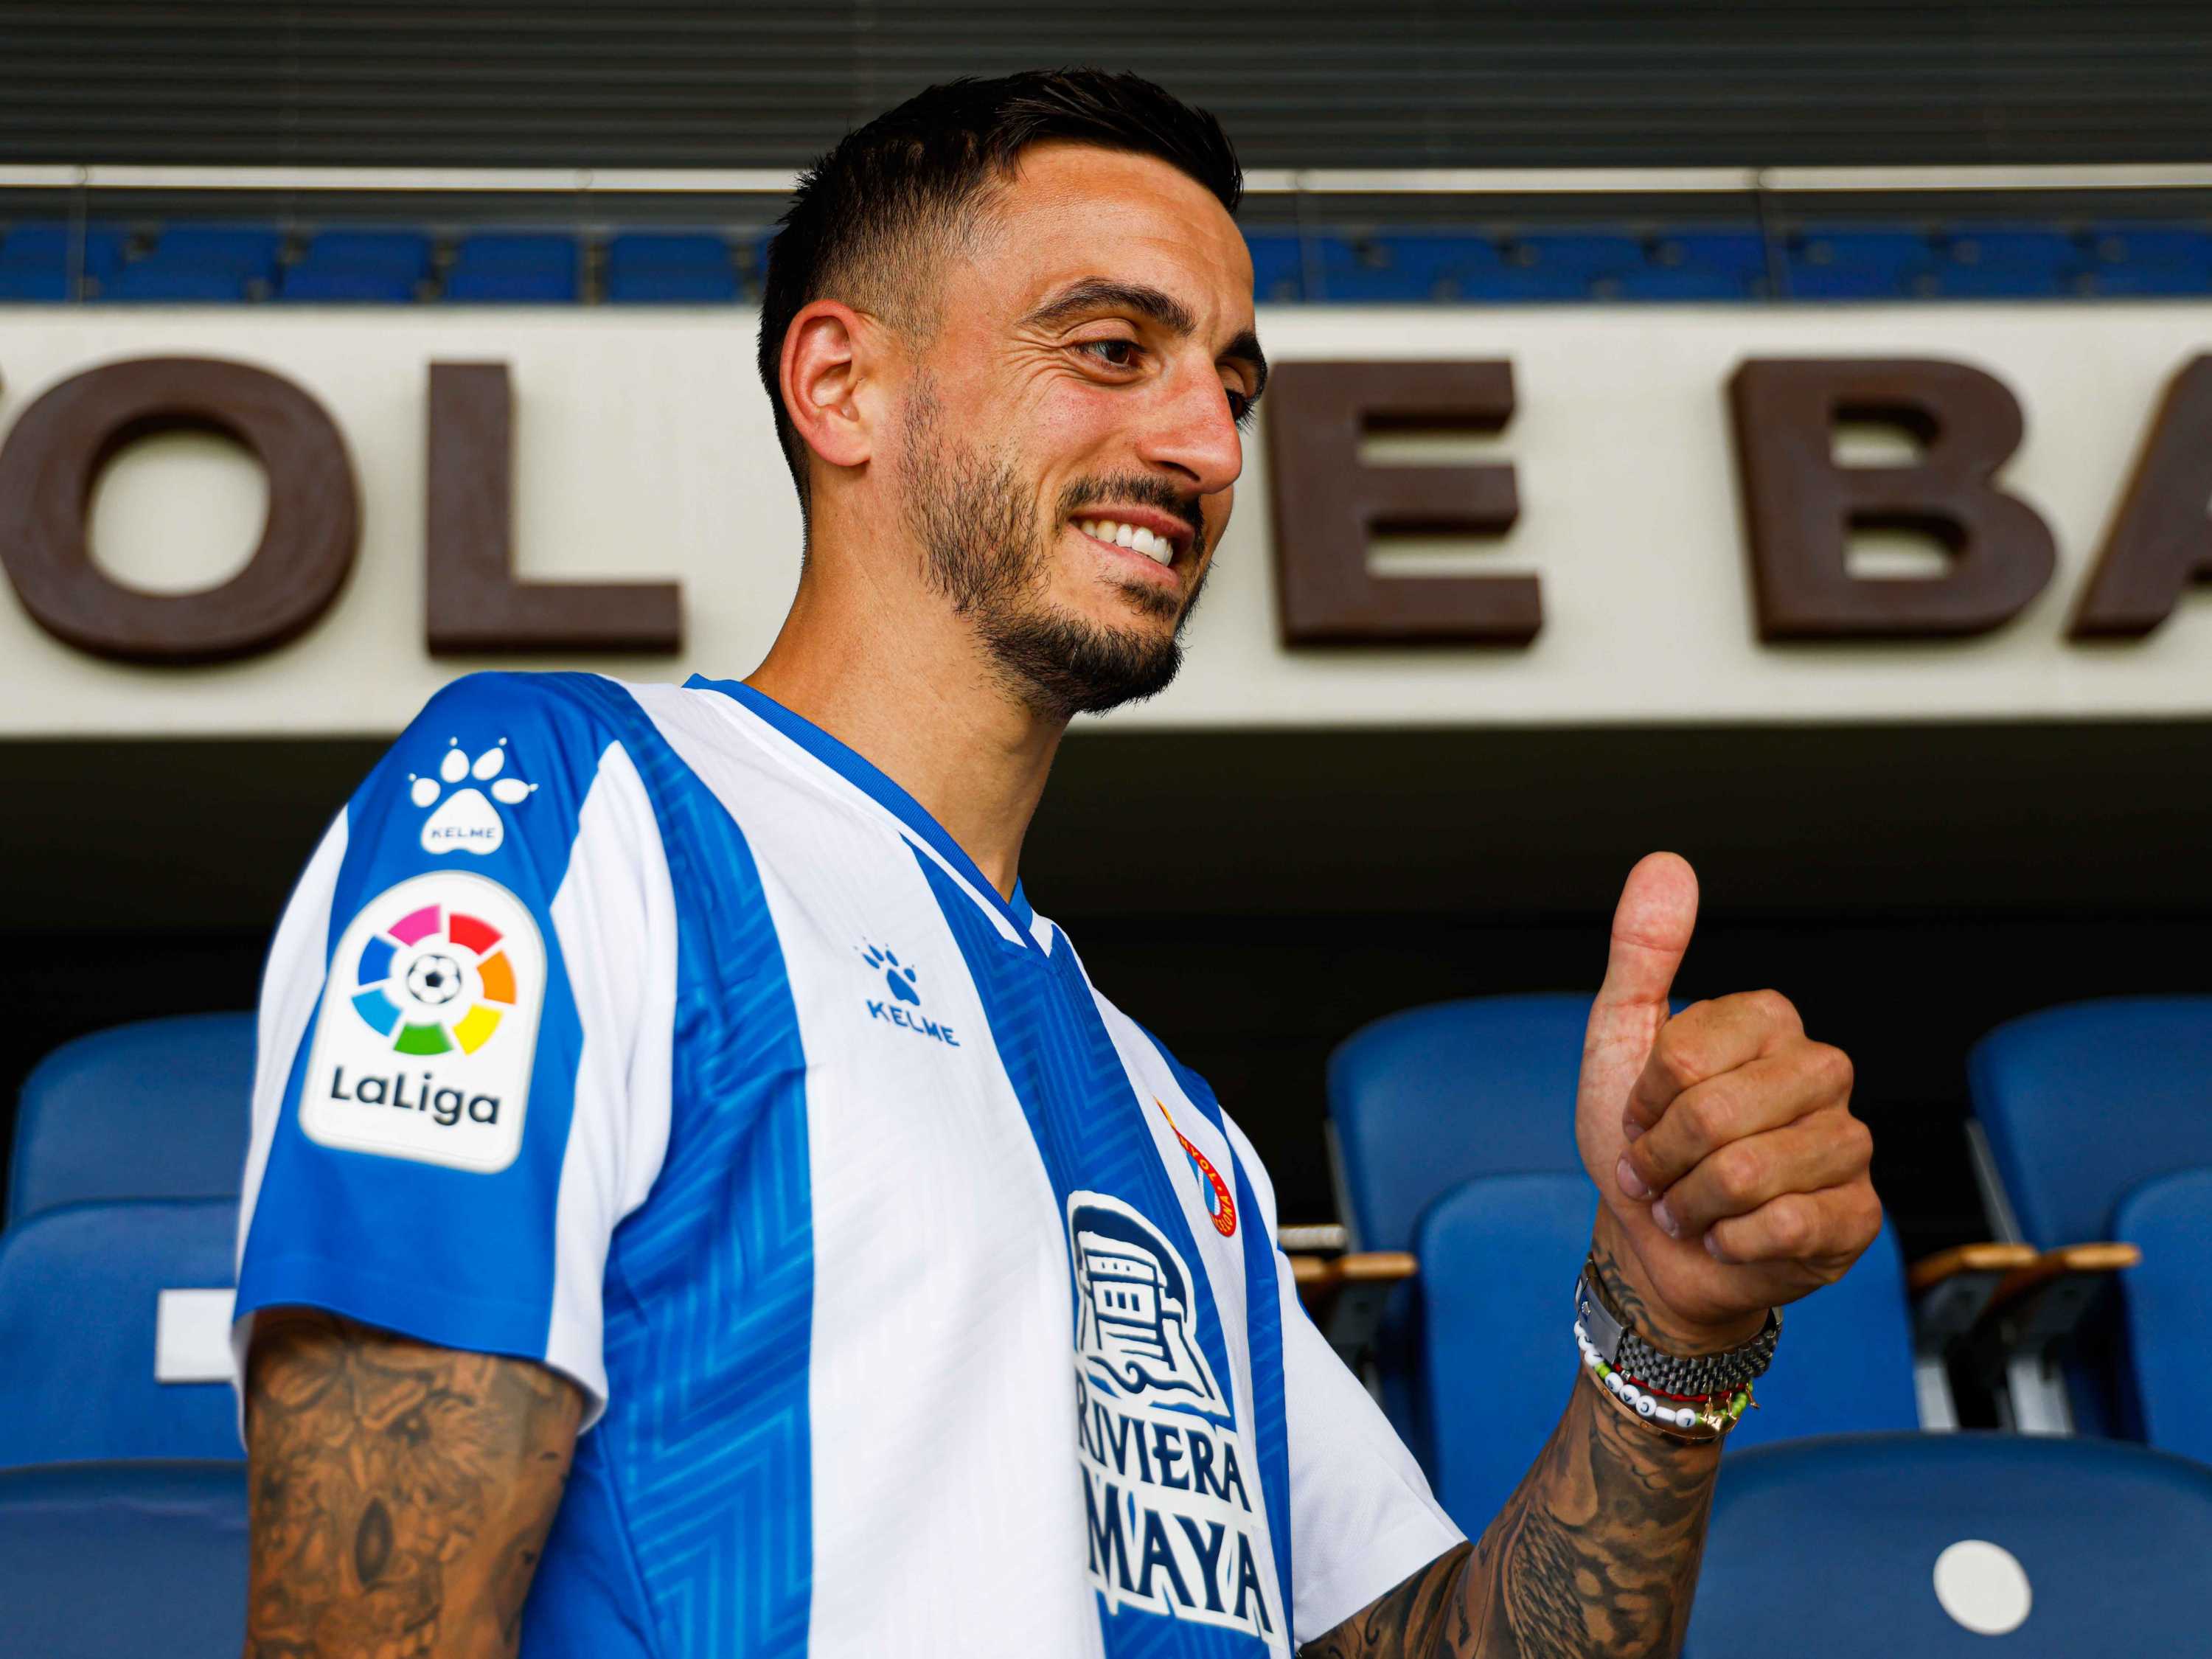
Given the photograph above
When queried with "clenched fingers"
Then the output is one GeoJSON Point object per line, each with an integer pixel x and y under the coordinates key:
{"type": "Point", "coordinates": [1831, 1148]}
{"type": "Point", "coordinates": [1821, 1232]}
{"type": "Point", "coordinates": [1703, 1040]}
{"type": "Point", "coordinates": [1796, 1079]}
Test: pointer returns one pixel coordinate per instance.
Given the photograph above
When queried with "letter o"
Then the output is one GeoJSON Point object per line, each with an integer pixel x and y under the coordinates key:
{"type": "Point", "coordinates": [65, 440]}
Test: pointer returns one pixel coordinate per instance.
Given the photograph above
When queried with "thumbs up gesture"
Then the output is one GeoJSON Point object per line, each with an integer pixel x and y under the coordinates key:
{"type": "Point", "coordinates": [1732, 1174]}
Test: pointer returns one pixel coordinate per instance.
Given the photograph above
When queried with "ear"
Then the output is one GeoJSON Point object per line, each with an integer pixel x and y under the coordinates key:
{"type": "Point", "coordinates": [826, 378]}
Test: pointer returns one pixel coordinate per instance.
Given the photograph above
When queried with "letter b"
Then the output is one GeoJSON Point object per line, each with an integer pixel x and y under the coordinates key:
{"type": "Point", "coordinates": [1801, 507]}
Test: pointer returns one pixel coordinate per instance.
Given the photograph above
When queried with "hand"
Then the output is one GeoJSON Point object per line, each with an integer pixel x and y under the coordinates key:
{"type": "Point", "coordinates": [1732, 1174]}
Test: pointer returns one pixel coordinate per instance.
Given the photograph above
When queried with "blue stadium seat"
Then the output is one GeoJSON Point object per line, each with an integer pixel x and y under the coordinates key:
{"type": "Point", "coordinates": [2024, 245]}
{"type": "Point", "coordinates": [2083, 1102]}
{"type": "Point", "coordinates": [36, 259]}
{"type": "Point", "coordinates": [1499, 1258]}
{"type": "Point", "coordinates": [2123, 243]}
{"type": "Point", "coordinates": [2080, 1105]}
{"type": "Point", "coordinates": [1718, 248]}
{"type": "Point", "coordinates": [1684, 282]}
{"type": "Point", "coordinates": [670, 269]}
{"type": "Point", "coordinates": [1578, 256]}
{"type": "Point", "coordinates": [2151, 280]}
{"type": "Point", "coordinates": [360, 267]}
{"type": "Point", "coordinates": [150, 281]}
{"type": "Point", "coordinates": [1409, 269]}
{"type": "Point", "coordinates": [513, 269]}
{"type": "Point", "coordinates": [250, 251]}
{"type": "Point", "coordinates": [326, 285]}
{"type": "Point", "coordinates": [1999, 282]}
{"type": "Point", "coordinates": [2169, 1315]}
{"type": "Point", "coordinates": [117, 1560]}
{"type": "Point", "coordinates": [84, 1323]}
{"type": "Point", "coordinates": [1420, 1101]}
{"type": "Point", "coordinates": [1277, 268]}
{"type": "Point", "coordinates": [1842, 263]}
{"type": "Point", "coordinates": [1882, 1544]}
{"type": "Point", "coordinates": [158, 1109]}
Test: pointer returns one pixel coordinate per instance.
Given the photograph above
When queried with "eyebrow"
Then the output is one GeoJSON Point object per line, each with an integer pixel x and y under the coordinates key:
{"type": "Point", "coordinates": [1100, 294]}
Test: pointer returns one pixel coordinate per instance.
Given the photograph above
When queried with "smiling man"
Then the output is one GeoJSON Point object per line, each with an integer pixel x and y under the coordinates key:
{"type": "Point", "coordinates": [697, 1208]}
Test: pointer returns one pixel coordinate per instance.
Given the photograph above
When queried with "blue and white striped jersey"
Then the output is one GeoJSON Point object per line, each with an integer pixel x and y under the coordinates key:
{"type": "Point", "coordinates": [925, 1304]}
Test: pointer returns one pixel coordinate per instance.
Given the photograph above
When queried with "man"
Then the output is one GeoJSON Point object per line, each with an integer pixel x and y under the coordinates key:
{"type": "Point", "coordinates": [690, 1186]}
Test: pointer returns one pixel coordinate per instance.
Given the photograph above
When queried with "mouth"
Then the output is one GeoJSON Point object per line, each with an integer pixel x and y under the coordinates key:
{"type": "Point", "coordinates": [1144, 534]}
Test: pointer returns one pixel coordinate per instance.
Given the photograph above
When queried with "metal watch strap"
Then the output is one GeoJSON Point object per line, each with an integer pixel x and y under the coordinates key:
{"type": "Point", "coordinates": [1703, 1374]}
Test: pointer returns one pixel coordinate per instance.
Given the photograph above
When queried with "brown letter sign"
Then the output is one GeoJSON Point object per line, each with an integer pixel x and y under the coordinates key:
{"type": "Point", "coordinates": [1801, 507]}
{"type": "Point", "coordinates": [56, 453]}
{"type": "Point", "coordinates": [1326, 504]}
{"type": "Point", "coordinates": [476, 604]}
{"type": "Point", "coordinates": [2161, 540]}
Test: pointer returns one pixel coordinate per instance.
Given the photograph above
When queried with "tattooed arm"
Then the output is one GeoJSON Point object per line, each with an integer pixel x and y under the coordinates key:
{"type": "Point", "coordinates": [400, 1493]}
{"type": "Point", "coordinates": [1595, 1552]}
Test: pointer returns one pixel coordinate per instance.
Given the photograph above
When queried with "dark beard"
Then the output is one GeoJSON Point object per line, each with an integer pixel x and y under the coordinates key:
{"type": "Point", "coordinates": [985, 550]}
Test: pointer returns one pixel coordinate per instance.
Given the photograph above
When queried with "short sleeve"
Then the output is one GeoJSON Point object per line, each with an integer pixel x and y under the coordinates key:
{"type": "Point", "coordinates": [1363, 1520]}
{"type": "Point", "coordinates": [462, 1079]}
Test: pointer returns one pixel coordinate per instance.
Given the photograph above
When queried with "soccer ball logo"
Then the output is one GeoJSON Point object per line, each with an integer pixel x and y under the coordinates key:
{"type": "Point", "coordinates": [435, 982]}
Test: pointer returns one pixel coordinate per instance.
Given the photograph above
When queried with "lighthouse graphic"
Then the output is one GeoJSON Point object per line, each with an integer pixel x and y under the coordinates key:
{"type": "Point", "coordinates": [1135, 1311]}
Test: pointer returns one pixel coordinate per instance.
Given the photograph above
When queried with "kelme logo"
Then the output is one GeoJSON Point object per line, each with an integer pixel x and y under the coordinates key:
{"type": "Point", "coordinates": [464, 822]}
{"type": "Point", "coordinates": [901, 1005]}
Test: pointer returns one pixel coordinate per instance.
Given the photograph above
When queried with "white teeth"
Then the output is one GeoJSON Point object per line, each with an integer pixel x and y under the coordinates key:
{"type": "Point", "coordinates": [1154, 546]}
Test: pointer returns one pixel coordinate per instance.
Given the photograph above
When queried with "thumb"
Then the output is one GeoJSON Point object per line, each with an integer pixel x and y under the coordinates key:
{"type": "Point", "coordinates": [1650, 931]}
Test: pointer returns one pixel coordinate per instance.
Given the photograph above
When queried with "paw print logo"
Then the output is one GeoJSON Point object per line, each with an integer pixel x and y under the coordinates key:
{"type": "Point", "coordinates": [465, 821]}
{"type": "Point", "coordinates": [897, 978]}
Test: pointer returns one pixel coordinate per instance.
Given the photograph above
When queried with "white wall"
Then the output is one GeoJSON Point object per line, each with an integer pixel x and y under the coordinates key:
{"type": "Point", "coordinates": [644, 452]}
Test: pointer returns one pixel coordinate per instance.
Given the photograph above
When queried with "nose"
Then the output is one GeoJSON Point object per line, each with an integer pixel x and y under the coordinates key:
{"type": "Point", "coordinates": [1191, 431]}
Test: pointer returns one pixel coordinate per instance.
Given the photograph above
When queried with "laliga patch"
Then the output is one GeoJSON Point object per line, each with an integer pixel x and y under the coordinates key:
{"type": "Point", "coordinates": [428, 1026]}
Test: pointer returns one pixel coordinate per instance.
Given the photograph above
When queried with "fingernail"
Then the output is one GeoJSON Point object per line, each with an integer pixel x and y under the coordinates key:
{"type": "Point", "coordinates": [1666, 1224]}
{"type": "Point", "coordinates": [1632, 1128]}
{"type": "Point", "coordinates": [1713, 1248]}
{"type": "Point", "coordinates": [1631, 1182]}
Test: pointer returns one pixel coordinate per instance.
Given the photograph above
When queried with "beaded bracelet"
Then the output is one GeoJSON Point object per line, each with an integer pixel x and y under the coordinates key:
{"type": "Point", "coordinates": [1645, 1402]}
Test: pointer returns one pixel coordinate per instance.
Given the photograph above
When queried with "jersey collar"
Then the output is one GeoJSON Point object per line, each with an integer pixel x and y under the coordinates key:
{"type": "Point", "coordinates": [863, 776]}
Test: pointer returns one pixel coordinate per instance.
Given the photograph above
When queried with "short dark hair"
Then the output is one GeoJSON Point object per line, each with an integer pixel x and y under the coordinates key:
{"type": "Point", "coordinates": [887, 199]}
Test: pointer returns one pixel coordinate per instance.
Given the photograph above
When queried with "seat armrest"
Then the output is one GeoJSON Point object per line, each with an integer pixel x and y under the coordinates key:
{"type": "Point", "coordinates": [1953, 1289]}
{"type": "Point", "coordinates": [2042, 1304]}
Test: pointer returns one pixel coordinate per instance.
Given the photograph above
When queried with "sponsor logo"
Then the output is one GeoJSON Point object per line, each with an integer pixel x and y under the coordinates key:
{"type": "Point", "coordinates": [900, 1005]}
{"type": "Point", "coordinates": [465, 821]}
{"type": "Point", "coordinates": [1171, 1520]}
{"type": "Point", "coordinates": [1220, 1206]}
{"type": "Point", "coordinates": [427, 1033]}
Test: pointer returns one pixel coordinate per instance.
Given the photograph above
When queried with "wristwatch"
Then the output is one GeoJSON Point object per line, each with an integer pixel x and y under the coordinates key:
{"type": "Point", "coordinates": [1630, 1354]}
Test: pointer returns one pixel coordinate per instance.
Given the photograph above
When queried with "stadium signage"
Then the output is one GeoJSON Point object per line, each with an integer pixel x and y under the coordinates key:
{"type": "Point", "coordinates": [1801, 507]}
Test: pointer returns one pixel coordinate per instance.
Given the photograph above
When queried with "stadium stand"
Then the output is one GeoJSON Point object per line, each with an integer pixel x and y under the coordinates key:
{"type": "Point", "coordinates": [1498, 1256]}
{"type": "Point", "coordinates": [152, 1109]}
{"type": "Point", "coordinates": [2046, 1090]}
{"type": "Point", "coordinates": [1374, 266]}
{"type": "Point", "coordinates": [100, 1560]}
{"type": "Point", "coordinates": [115, 1318]}
{"type": "Point", "coordinates": [1931, 1545]}
{"type": "Point", "coordinates": [2169, 1317]}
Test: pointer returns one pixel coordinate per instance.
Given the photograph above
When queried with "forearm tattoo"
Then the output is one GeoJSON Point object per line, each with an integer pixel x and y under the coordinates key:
{"type": "Point", "coordinates": [1597, 1551]}
{"type": "Point", "coordinates": [400, 1493]}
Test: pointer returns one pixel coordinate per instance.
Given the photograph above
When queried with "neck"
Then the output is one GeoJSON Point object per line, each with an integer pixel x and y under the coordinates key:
{"type": "Point", "coordinates": [908, 687]}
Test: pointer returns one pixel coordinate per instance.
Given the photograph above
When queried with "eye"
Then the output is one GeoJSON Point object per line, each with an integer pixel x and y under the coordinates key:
{"type": "Point", "coordinates": [1240, 406]}
{"type": "Point", "coordinates": [1113, 353]}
